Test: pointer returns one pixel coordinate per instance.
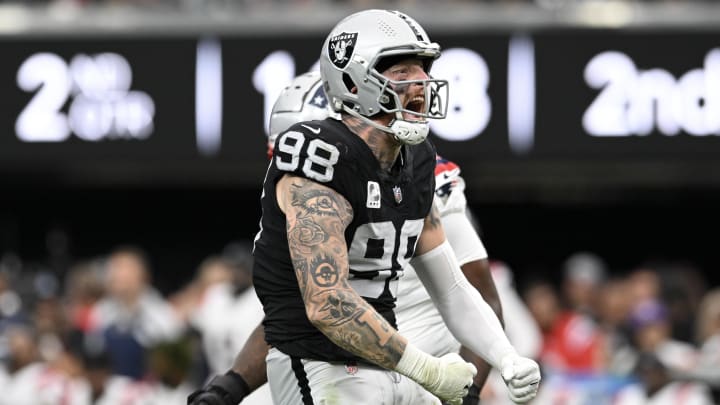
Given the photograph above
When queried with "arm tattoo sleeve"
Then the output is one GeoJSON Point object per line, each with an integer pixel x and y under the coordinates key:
{"type": "Point", "coordinates": [316, 220]}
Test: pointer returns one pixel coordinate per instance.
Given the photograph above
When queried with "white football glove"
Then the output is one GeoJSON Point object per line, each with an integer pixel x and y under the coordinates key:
{"type": "Point", "coordinates": [455, 378]}
{"type": "Point", "coordinates": [522, 377]}
{"type": "Point", "coordinates": [447, 377]}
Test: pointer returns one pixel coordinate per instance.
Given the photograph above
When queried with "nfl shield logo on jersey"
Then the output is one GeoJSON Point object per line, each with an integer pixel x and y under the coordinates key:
{"type": "Point", "coordinates": [351, 368]}
{"type": "Point", "coordinates": [397, 192]}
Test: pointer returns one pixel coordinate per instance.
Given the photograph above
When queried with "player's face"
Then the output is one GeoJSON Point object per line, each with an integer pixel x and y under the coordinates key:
{"type": "Point", "coordinates": [412, 96]}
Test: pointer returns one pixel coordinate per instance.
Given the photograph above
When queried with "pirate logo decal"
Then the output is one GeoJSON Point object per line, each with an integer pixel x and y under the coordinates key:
{"type": "Point", "coordinates": [341, 47]}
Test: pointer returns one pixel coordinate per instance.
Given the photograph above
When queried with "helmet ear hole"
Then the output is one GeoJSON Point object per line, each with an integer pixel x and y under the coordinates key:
{"type": "Point", "coordinates": [349, 83]}
{"type": "Point", "coordinates": [388, 101]}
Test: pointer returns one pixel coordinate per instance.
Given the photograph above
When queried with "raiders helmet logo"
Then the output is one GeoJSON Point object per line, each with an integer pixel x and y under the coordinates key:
{"type": "Point", "coordinates": [341, 47]}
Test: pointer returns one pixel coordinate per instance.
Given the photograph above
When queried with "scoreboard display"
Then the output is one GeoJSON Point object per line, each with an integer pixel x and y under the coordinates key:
{"type": "Point", "coordinates": [194, 109]}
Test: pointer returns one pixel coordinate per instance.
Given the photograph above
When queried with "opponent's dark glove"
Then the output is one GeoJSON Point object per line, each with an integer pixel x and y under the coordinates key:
{"type": "Point", "coordinates": [227, 389]}
{"type": "Point", "coordinates": [473, 396]}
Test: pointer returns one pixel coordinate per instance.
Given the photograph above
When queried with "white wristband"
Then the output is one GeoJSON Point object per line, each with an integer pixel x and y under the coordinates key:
{"type": "Point", "coordinates": [417, 364]}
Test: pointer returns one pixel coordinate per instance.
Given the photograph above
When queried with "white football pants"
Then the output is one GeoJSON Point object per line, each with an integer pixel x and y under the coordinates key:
{"type": "Point", "coordinates": [295, 381]}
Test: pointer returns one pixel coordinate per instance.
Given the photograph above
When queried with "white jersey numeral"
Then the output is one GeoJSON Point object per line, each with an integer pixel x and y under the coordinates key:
{"type": "Point", "coordinates": [290, 143]}
{"type": "Point", "coordinates": [373, 247]}
{"type": "Point", "coordinates": [315, 160]}
{"type": "Point", "coordinates": [319, 162]}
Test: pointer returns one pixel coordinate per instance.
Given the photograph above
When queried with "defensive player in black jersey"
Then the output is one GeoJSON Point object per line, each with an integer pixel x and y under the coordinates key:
{"type": "Point", "coordinates": [346, 204]}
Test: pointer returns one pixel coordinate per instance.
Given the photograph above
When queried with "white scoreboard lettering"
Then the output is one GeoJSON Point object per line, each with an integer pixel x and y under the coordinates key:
{"type": "Point", "coordinates": [634, 102]}
{"type": "Point", "coordinates": [90, 96]}
{"type": "Point", "coordinates": [102, 106]}
{"type": "Point", "coordinates": [469, 108]}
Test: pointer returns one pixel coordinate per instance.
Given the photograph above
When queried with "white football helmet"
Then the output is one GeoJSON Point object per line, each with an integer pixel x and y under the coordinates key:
{"type": "Point", "coordinates": [302, 100]}
{"type": "Point", "coordinates": [349, 61]}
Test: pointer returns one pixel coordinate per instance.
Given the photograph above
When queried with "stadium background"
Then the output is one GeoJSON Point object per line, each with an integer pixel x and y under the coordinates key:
{"type": "Point", "coordinates": [630, 198]}
{"type": "Point", "coordinates": [181, 176]}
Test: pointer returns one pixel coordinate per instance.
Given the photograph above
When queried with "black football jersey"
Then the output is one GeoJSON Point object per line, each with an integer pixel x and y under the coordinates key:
{"type": "Point", "coordinates": [388, 213]}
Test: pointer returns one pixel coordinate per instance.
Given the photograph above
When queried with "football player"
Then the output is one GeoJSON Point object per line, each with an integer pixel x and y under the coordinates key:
{"type": "Point", "coordinates": [418, 318]}
{"type": "Point", "coordinates": [351, 201]}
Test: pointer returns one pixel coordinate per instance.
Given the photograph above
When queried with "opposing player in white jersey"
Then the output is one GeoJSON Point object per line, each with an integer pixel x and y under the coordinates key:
{"type": "Point", "coordinates": [418, 318]}
{"type": "Point", "coordinates": [521, 373]}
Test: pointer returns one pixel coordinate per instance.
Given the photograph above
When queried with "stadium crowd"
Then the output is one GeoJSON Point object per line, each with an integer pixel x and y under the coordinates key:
{"type": "Point", "coordinates": [102, 333]}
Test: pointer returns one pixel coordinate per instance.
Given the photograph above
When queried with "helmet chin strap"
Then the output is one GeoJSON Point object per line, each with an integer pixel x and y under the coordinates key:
{"type": "Point", "coordinates": [405, 132]}
{"type": "Point", "coordinates": [409, 133]}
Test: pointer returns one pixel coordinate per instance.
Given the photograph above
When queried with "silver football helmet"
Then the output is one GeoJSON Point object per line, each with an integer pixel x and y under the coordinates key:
{"type": "Point", "coordinates": [302, 100]}
{"type": "Point", "coordinates": [353, 82]}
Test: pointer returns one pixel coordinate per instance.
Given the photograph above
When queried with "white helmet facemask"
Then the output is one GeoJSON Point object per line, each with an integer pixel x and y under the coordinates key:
{"type": "Point", "coordinates": [354, 85]}
{"type": "Point", "coordinates": [409, 125]}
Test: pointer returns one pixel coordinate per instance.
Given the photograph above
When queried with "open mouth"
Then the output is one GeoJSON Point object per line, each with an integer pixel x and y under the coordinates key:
{"type": "Point", "coordinates": [415, 104]}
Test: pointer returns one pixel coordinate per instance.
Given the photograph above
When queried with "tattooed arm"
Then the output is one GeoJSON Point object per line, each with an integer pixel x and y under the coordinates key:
{"type": "Point", "coordinates": [316, 220]}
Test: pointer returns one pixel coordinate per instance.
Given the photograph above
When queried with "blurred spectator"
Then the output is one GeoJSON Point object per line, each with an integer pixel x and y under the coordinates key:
{"type": "Point", "coordinates": [708, 324]}
{"type": "Point", "coordinates": [83, 290]}
{"type": "Point", "coordinates": [133, 316]}
{"type": "Point", "coordinates": [49, 321]}
{"type": "Point", "coordinates": [682, 289]}
{"type": "Point", "coordinates": [644, 284]}
{"type": "Point", "coordinates": [613, 313]}
{"type": "Point", "coordinates": [92, 364]}
{"type": "Point", "coordinates": [112, 389]}
{"type": "Point", "coordinates": [571, 341]}
{"type": "Point", "coordinates": [707, 367]}
{"type": "Point", "coordinates": [22, 348]}
{"type": "Point", "coordinates": [169, 369]}
{"type": "Point", "coordinates": [98, 371]}
{"type": "Point", "coordinates": [584, 273]}
{"type": "Point", "coordinates": [652, 334]}
{"type": "Point", "coordinates": [226, 310]}
{"type": "Point", "coordinates": [657, 387]}
{"type": "Point", "coordinates": [27, 380]}
{"type": "Point", "coordinates": [10, 303]}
